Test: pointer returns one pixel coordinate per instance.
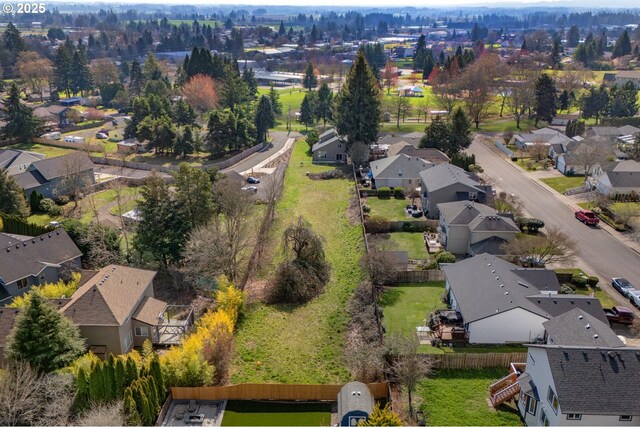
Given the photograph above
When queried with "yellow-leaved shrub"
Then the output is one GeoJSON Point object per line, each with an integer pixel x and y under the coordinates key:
{"type": "Point", "coordinates": [50, 291]}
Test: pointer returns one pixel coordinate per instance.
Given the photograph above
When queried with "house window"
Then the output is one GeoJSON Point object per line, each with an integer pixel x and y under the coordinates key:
{"type": "Point", "coordinates": [141, 331]}
{"type": "Point", "coordinates": [625, 418]}
{"type": "Point", "coordinates": [553, 400]}
{"type": "Point", "coordinates": [532, 359]}
{"type": "Point", "coordinates": [339, 156]}
{"type": "Point", "coordinates": [532, 405]}
{"type": "Point", "coordinates": [543, 418]}
{"type": "Point", "coordinates": [127, 341]}
{"type": "Point", "coordinates": [473, 195]}
{"type": "Point", "coordinates": [22, 283]}
{"type": "Point", "coordinates": [322, 154]}
{"type": "Point", "coordinates": [574, 416]}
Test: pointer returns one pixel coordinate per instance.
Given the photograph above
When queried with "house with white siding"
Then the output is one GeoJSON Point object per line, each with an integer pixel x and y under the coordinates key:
{"type": "Point", "coordinates": [502, 303]}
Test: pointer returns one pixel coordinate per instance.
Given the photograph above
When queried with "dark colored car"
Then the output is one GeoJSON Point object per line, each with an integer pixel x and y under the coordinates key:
{"type": "Point", "coordinates": [622, 285]}
{"type": "Point", "coordinates": [619, 314]}
{"type": "Point", "coordinates": [253, 180]}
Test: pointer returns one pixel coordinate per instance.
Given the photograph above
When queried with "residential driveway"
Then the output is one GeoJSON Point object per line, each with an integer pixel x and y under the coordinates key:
{"type": "Point", "coordinates": [116, 171]}
{"type": "Point", "coordinates": [600, 253]}
{"type": "Point", "coordinates": [278, 140]}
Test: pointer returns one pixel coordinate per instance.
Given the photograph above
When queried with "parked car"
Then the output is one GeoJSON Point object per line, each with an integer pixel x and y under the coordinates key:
{"type": "Point", "coordinates": [253, 180]}
{"type": "Point", "coordinates": [622, 285]}
{"type": "Point", "coordinates": [250, 188]}
{"type": "Point", "coordinates": [587, 217]}
{"type": "Point", "coordinates": [101, 135]}
{"type": "Point", "coordinates": [619, 314]}
{"type": "Point", "coordinates": [634, 298]}
{"type": "Point", "coordinates": [105, 131]}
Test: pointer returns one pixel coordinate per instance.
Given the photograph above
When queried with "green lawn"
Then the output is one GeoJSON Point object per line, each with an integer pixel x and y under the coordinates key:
{"type": "Point", "coordinates": [290, 98]}
{"type": "Point", "coordinates": [617, 207]}
{"type": "Point", "coordinates": [249, 413]}
{"type": "Point", "coordinates": [47, 150]}
{"type": "Point", "coordinates": [407, 305]}
{"type": "Point", "coordinates": [413, 243]}
{"type": "Point", "coordinates": [459, 397]}
{"type": "Point", "coordinates": [305, 343]}
{"type": "Point", "coordinates": [102, 199]}
{"type": "Point", "coordinates": [42, 219]}
{"type": "Point", "coordinates": [126, 207]}
{"type": "Point", "coordinates": [563, 183]}
{"type": "Point", "coordinates": [392, 209]}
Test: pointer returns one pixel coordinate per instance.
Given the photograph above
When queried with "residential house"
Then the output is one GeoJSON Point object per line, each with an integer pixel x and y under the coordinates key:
{"type": "Point", "coordinates": [583, 375]}
{"type": "Point", "coordinates": [448, 183]}
{"type": "Point", "coordinates": [432, 155]}
{"type": "Point", "coordinates": [501, 303]}
{"type": "Point", "coordinates": [412, 138]}
{"type": "Point", "coordinates": [466, 226]}
{"type": "Point", "coordinates": [412, 91]}
{"type": "Point", "coordinates": [544, 136]}
{"type": "Point", "coordinates": [48, 176]}
{"type": "Point", "coordinates": [624, 76]}
{"type": "Point", "coordinates": [116, 310]}
{"type": "Point", "coordinates": [611, 132]}
{"type": "Point", "coordinates": [564, 119]}
{"type": "Point", "coordinates": [618, 177]}
{"type": "Point", "coordinates": [17, 161]}
{"type": "Point", "coordinates": [330, 148]}
{"type": "Point", "coordinates": [27, 261]}
{"type": "Point", "coordinates": [57, 115]}
{"type": "Point", "coordinates": [398, 171]}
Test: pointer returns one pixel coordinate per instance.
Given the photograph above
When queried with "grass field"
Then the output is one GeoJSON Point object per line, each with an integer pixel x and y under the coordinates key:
{"type": "Point", "coordinates": [406, 306]}
{"type": "Point", "coordinates": [290, 98]}
{"type": "Point", "coordinates": [413, 243]}
{"type": "Point", "coordinates": [459, 397]}
{"type": "Point", "coordinates": [47, 150]}
{"type": "Point", "coordinates": [563, 183]}
{"type": "Point", "coordinates": [248, 413]}
{"type": "Point", "coordinates": [289, 343]}
{"type": "Point", "coordinates": [392, 209]}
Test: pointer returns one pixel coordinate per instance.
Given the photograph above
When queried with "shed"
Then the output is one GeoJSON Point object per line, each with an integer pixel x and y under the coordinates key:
{"type": "Point", "coordinates": [355, 403]}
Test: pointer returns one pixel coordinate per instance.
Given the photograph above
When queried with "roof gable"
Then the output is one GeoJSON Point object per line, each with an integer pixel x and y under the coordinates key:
{"type": "Point", "coordinates": [445, 175]}
{"type": "Point", "coordinates": [578, 328]}
{"type": "Point", "coordinates": [399, 166]}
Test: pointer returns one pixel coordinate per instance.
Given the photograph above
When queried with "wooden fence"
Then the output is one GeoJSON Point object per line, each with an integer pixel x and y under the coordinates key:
{"type": "Point", "coordinates": [293, 392]}
{"type": "Point", "coordinates": [477, 360]}
{"type": "Point", "coordinates": [419, 276]}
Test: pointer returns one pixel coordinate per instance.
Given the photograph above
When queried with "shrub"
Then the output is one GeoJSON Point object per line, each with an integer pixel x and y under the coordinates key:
{"type": "Point", "coordinates": [445, 257]}
{"type": "Point", "coordinates": [61, 200]}
{"type": "Point", "coordinates": [593, 281]}
{"type": "Point", "coordinates": [377, 224]}
{"type": "Point", "coordinates": [408, 226]}
{"type": "Point", "coordinates": [566, 289]}
{"type": "Point", "coordinates": [366, 208]}
{"type": "Point", "coordinates": [384, 192]}
{"type": "Point", "coordinates": [579, 280]}
{"type": "Point", "coordinates": [49, 206]}
{"type": "Point", "coordinates": [49, 291]}
{"type": "Point", "coordinates": [532, 225]}
{"type": "Point", "coordinates": [398, 192]}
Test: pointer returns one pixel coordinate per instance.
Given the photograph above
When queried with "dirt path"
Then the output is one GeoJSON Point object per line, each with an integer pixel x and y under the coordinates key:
{"type": "Point", "coordinates": [105, 217]}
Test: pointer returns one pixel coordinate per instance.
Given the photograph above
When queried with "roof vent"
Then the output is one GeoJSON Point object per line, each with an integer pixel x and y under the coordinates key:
{"type": "Point", "coordinates": [49, 235]}
{"type": "Point", "coordinates": [523, 284]}
{"type": "Point", "coordinates": [595, 336]}
{"type": "Point", "coordinates": [587, 326]}
{"type": "Point", "coordinates": [502, 285]}
{"type": "Point", "coordinates": [8, 249]}
{"type": "Point", "coordinates": [506, 293]}
{"type": "Point", "coordinates": [24, 244]}
{"type": "Point", "coordinates": [580, 317]}
{"type": "Point", "coordinates": [611, 354]}
{"type": "Point", "coordinates": [41, 237]}
{"type": "Point", "coordinates": [493, 271]}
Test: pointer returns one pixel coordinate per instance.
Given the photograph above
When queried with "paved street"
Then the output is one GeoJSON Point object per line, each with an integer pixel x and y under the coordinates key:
{"type": "Point", "coordinates": [600, 253]}
{"type": "Point", "coordinates": [278, 139]}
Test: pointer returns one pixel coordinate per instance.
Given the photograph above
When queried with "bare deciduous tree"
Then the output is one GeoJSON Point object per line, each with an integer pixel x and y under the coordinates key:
{"type": "Point", "coordinates": [508, 203]}
{"type": "Point", "coordinates": [35, 71]}
{"type": "Point", "coordinates": [590, 153]}
{"type": "Point", "coordinates": [538, 150]}
{"type": "Point", "coordinates": [553, 248]}
{"type": "Point", "coordinates": [359, 153]}
{"type": "Point", "coordinates": [478, 81]}
{"type": "Point", "coordinates": [445, 90]}
{"type": "Point", "coordinates": [522, 93]}
{"type": "Point", "coordinates": [75, 181]}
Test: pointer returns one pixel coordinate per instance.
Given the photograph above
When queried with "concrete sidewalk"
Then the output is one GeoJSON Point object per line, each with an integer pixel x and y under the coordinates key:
{"type": "Point", "coordinates": [260, 167]}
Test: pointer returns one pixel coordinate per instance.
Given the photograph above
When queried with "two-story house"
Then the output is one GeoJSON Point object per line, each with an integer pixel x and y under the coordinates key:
{"type": "Point", "coordinates": [331, 148]}
{"type": "Point", "coordinates": [49, 176]}
{"type": "Point", "coordinates": [448, 183]}
{"type": "Point", "coordinates": [398, 171]}
{"type": "Point", "coordinates": [27, 261]}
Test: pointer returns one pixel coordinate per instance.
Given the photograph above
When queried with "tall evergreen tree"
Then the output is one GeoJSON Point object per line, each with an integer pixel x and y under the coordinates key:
{"type": "Point", "coordinates": [310, 80]}
{"type": "Point", "coordinates": [234, 90]}
{"type": "Point", "coordinates": [307, 115]}
{"type": "Point", "coordinates": [545, 99]}
{"type": "Point", "coordinates": [276, 104]}
{"type": "Point", "coordinates": [420, 54]}
{"type": "Point", "coordinates": [12, 39]}
{"type": "Point", "coordinates": [249, 78]}
{"type": "Point", "coordinates": [193, 194]}
{"type": "Point", "coordinates": [357, 107]}
{"type": "Point", "coordinates": [573, 36]}
{"type": "Point", "coordinates": [184, 143]}
{"type": "Point", "coordinates": [460, 133]}
{"type": "Point", "coordinates": [429, 64]}
{"type": "Point", "coordinates": [282, 31]}
{"type": "Point", "coordinates": [622, 46]}
{"type": "Point", "coordinates": [63, 68]}
{"type": "Point", "coordinates": [44, 337]}
{"type": "Point", "coordinates": [623, 101]}
{"type": "Point", "coordinates": [325, 100]}
{"type": "Point", "coordinates": [595, 102]}
{"type": "Point", "coordinates": [136, 80]}
{"type": "Point", "coordinates": [22, 124]}
{"type": "Point", "coordinates": [81, 77]}
{"type": "Point", "coordinates": [264, 118]}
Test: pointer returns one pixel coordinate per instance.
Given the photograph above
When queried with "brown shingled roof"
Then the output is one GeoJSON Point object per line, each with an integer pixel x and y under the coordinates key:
{"type": "Point", "coordinates": [109, 297]}
{"type": "Point", "coordinates": [150, 310]}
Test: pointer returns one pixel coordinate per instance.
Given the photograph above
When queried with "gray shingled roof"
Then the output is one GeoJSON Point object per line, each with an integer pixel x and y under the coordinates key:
{"type": "Point", "coordinates": [578, 328]}
{"type": "Point", "coordinates": [597, 381]}
{"type": "Point", "coordinates": [56, 167]}
{"type": "Point", "coordinates": [493, 245]}
{"type": "Point", "coordinates": [623, 174]}
{"type": "Point", "coordinates": [477, 216]}
{"type": "Point", "coordinates": [399, 166]}
{"type": "Point", "coordinates": [30, 257]}
{"type": "Point", "coordinates": [558, 304]}
{"type": "Point", "coordinates": [485, 285]}
{"type": "Point", "coordinates": [445, 175]}
{"type": "Point", "coordinates": [329, 141]}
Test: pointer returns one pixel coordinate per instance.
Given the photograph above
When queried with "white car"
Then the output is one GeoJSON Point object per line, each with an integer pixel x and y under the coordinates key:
{"type": "Point", "coordinates": [101, 135]}
{"type": "Point", "coordinates": [634, 297]}
{"type": "Point", "coordinates": [250, 188]}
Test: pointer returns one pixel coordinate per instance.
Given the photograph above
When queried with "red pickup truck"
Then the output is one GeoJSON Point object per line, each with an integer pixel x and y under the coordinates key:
{"type": "Point", "coordinates": [619, 314]}
{"type": "Point", "coordinates": [587, 217]}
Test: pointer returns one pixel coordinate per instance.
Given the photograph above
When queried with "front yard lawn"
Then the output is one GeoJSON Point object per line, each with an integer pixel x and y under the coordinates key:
{"type": "Point", "coordinates": [407, 305]}
{"type": "Point", "coordinates": [295, 343]}
{"type": "Point", "coordinates": [563, 183]}
{"type": "Point", "coordinates": [459, 397]}
{"type": "Point", "coordinates": [392, 209]}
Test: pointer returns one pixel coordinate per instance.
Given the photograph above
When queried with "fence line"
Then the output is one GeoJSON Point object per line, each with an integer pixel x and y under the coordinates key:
{"type": "Point", "coordinates": [477, 360]}
{"type": "Point", "coordinates": [301, 392]}
{"type": "Point", "coordinates": [358, 195]}
{"type": "Point", "coordinates": [419, 276]}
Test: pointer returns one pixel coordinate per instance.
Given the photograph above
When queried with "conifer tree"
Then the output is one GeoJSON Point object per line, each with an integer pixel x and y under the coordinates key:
{"type": "Point", "coordinates": [131, 372]}
{"type": "Point", "coordinates": [44, 337]}
{"type": "Point", "coordinates": [120, 377]}
{"type": "Point", "coordinates": [276, 104]}
{"type": "Point", "coordinates": [264, 118]}
{"type": "Point", "coordinates": [622, 46]}
{"type": "Point", "coordinates": [82, 393]}
{"type": "Point", "coordinates": [325, 100]}
{"type": "Point", "coordinates": [22, 124]}
{"type": "Point", "coordinates": [12, 201]}
{"type": "Point", "coordinates": [310, 80]}
{"type": "Point", "coordinates": [306, 113]}
{"type": "Point", "coordinates": [357, 107]}
{"type": "Point", "coordinates": [545, 99]}
{"type": "Point", "coordinates": [132, 415]}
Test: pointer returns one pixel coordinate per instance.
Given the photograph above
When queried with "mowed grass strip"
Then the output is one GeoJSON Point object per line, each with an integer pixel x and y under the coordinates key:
{"type": "Point", "coordinates": [250, 413]}
{"type": "Point", "coordinates": [459, 398]}
{"type": "Point", "coordinates": [288, 343]}
{"type": "Point", "coordinates": [563, 183]}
